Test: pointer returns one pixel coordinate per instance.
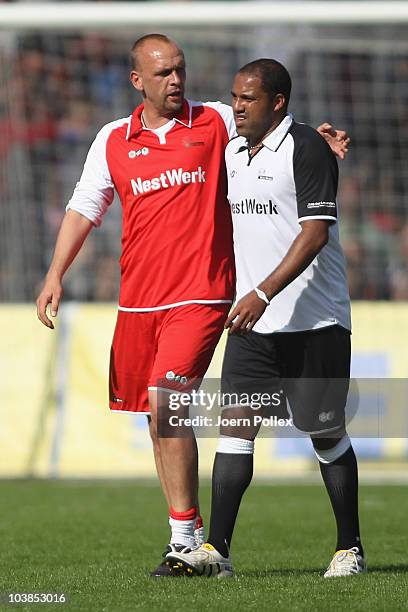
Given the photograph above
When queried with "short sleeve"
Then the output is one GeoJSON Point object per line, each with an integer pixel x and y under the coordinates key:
{"type": "Point", "coordinates": [315, 174]}
{"type": "Point", "coordinates": [94, 191]}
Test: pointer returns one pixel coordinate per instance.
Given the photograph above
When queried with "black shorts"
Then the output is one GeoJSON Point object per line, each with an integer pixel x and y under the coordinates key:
{"type": "Point", "coordinates": [312, 368]}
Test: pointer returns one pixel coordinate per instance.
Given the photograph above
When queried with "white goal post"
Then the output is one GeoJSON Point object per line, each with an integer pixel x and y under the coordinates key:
{"type": "Point", "coordinates": [122, 14]}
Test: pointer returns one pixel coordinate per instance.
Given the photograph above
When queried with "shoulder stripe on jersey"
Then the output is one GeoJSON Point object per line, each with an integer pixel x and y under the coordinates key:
{"type": "Point", "coordinates": [225, 112]}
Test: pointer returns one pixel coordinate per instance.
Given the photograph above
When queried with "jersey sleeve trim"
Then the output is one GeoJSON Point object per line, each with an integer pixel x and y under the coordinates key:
{"type": "Point", "coordinates": [318, 217]}
{"type": "Point", "coordinates": [84, 213]}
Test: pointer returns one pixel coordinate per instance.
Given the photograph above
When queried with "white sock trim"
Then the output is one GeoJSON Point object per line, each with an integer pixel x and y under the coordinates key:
{"type": "Point", "coordinates": [331, 454]}
{"type": "Point", "coordinates": [235, 446]}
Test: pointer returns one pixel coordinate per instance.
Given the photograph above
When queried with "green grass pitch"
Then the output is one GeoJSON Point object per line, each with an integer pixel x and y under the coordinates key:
{"type": "Point", "coordinates": [97, 542]}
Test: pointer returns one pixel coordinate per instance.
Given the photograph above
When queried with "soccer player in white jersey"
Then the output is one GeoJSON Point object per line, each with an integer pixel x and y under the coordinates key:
{"type": "Point", "coordinates": [290, 325]}
{"type": "Point", "coordinates": [166, 162]}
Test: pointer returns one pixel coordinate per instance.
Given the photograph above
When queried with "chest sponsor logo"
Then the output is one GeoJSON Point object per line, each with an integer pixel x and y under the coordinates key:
{"type": "Point", "coordinates": [136, 153]}
{"type": "Point", "coordinates": [263, 175]}
{"type": "Point", "coordinates": [250, 206]}
{"type": "Point", "coordinates": [169, 178]}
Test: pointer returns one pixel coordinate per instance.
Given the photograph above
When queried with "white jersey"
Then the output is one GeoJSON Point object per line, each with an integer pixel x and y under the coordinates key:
{"type": "Point", "coordinates": [293, 178]}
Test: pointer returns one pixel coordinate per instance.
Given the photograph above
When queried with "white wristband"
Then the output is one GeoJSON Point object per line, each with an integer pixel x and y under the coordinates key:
{"type": "Point", "coordinates": [261, 295]}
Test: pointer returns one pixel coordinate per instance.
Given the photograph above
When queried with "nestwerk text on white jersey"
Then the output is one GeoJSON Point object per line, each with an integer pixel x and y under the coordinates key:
{"type": "Point", "coordinates": [292, 179]}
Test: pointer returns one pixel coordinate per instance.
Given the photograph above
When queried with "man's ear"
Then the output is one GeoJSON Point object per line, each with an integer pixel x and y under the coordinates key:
{"type": "Point", "coordinates": [136, 80]}
{"type": "Point", "coordinates": [279, 102]}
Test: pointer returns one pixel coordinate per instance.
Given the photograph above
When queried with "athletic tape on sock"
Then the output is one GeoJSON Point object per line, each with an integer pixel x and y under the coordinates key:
{"type": "Point", "coordinates": [331, 454]}
{"type": "Point", "coordinates": [235, 446]}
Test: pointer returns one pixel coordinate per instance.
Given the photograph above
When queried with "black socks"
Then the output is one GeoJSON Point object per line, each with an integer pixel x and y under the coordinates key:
{"type": "Point", "coordinates": [341, 480]}
{"type": "Point", "coordinates": [231, 476]}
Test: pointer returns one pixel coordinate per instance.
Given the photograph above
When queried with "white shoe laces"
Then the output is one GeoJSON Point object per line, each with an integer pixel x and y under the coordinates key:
{"type": "Point", "coordinates": [345, 562]}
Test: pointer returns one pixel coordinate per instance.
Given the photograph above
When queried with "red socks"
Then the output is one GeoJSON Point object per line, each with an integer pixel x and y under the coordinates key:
{"type": "Point", "coordinates": [187, 515]}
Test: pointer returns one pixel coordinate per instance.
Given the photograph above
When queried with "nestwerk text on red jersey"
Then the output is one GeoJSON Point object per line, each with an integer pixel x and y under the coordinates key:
{"type": "Point", "coordinates": [177, 233]}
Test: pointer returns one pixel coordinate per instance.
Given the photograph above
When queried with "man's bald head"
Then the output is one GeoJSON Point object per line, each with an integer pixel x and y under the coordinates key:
{"type": "Point", "coordinates": [159, 74]}
{"type": "Point", "coordinates": [149, 44]}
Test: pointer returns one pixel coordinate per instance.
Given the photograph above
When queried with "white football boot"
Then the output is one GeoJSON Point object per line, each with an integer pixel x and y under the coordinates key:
{"type": "Point", "coordinates": [346, 563]}
{"type": "Point", "coordinates": [202, 561]}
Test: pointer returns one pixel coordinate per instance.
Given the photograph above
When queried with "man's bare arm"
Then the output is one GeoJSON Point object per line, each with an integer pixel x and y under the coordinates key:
{"type": "Point", "coordinates": [307, 244]}
{"type": "Point", "coordinates": [71, 236]}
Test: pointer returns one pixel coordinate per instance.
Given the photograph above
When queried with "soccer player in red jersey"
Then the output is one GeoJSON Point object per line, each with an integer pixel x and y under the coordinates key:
{"type": "Point", "coordinates": [166, 162]}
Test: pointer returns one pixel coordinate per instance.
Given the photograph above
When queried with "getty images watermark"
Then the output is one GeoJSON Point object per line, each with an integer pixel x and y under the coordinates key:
{"type": "Point", "coordinates": [206, 410]}
{"type": "Point", "coordinates": [210, 400]}
{"type": "Point", "coordinates": [369, 407]}
{"type": "Point", "coordinates": [205, 421]}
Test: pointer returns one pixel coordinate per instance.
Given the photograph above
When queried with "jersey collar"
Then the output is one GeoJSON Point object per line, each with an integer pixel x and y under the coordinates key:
{"type": "Point", "coordinates": [275, 138]}
{"type": "Point", "coordinates": [136, 125]}
{"type": "Point", "coordinates": [184, 116]}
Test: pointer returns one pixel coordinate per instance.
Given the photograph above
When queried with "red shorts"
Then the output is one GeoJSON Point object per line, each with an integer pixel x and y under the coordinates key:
{"type": "Point", "coordinates": [169, 349]}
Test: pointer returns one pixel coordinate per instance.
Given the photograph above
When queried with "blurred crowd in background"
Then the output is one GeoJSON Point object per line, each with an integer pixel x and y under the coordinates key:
{"type": "Point", "coordinates": [59, 89]}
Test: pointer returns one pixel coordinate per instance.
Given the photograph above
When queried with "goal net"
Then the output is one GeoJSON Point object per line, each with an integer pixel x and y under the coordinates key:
{"type": "Point", "coordinates": [61, 82]}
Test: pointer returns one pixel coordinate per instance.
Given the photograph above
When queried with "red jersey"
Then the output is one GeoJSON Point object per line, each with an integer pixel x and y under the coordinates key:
{"type": "Point", "coordinates": [177, 232]}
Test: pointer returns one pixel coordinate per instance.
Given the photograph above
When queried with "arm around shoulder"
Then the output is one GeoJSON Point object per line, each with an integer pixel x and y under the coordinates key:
{"type": "Point", "coordinates": [337, 140]}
